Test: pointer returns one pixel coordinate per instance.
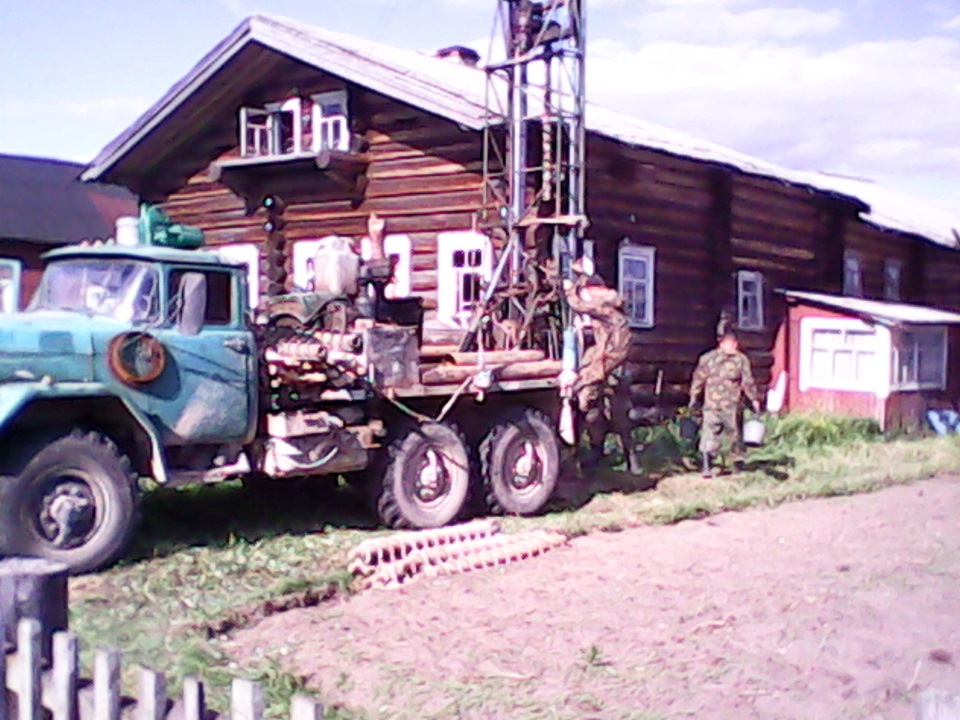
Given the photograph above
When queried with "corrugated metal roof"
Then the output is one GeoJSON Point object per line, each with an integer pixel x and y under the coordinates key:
{"type": "Point", "coordinates": [881, 311]}
{"type": "Point", "coordinates": [458, 92]}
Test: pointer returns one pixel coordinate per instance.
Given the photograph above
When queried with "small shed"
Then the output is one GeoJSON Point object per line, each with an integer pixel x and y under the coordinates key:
{"type": "Point", "coordinates": [885, 360]}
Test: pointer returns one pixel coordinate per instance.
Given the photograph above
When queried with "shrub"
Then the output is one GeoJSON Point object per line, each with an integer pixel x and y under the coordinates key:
{"type": "Point", "coordinates": [799, 430]}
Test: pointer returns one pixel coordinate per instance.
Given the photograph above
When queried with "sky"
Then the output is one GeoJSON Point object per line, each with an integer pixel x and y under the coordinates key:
{"type": "Point", "coordinates": [863, 88]}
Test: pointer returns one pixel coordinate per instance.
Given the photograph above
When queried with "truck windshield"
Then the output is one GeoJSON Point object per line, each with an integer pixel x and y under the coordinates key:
{"type": "Point", "coordinates": [118, 288]}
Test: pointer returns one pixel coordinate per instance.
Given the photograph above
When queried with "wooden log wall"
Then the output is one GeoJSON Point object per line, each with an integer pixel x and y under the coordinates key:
{"type": "Point", "coordinates": [940, 272]}
{"type": "Point", "coordinates": [874, 247]}
{"type": "Point", "coordinates": [783, 232]}
{"type": "Point", "coordinates": [654, 199]}
{"type": "Point", "coordinates": [706, 223]}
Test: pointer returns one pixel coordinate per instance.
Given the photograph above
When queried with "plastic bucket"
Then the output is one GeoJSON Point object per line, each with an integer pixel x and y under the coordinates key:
{"type": "Point", "coordinates": [753, 432]}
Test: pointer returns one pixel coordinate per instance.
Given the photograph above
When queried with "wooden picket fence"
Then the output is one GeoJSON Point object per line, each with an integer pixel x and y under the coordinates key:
{"type": "Point", "coordinates": [41, 670]}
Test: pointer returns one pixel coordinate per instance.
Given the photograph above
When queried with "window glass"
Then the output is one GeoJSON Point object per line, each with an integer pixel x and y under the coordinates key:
{"type": "Point", "coordinates": [464, 265]}
{"type": "Point", "coordinates": [750, 300]}
{"type": "Point", "coordinates": [219, 309]}
{"type": "Point", "coordinates": [852, 275]}
{"type": "Point", "coordinates": [119, 288]}
{"type": "Point", "coordinates": [842, 358]}
{"type": "Point", "coordinates": [636, 276]}
{"type": "Point", "coordinates": [892, 271]}
{"type": "Point", "coordinates": [921, 358]}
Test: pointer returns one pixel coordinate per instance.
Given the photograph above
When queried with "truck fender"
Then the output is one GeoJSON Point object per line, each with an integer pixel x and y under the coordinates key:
{"type": "Point", "coordinates": [18, 396]}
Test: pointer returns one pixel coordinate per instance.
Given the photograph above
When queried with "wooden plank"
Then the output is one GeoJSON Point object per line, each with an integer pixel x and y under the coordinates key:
{"type": "Point", "coordinates": [29, 664]}
{"type": "Point", "coordinates": [305, 708]}
{"type": "Point", "coordinates": [447, 374]}
{"type": "Point", "coordinates": [246, 700]}
{"type": "Point", "coordinates": [495, 357]}
{"type": "Point", "coordinates": [152, 703]}
{"type": "Point", "coordinates": [194, 699]}
{"type": "Point", "coordinates": [106, 685]}
{"type": "Point", "coordinates": [63, 703]}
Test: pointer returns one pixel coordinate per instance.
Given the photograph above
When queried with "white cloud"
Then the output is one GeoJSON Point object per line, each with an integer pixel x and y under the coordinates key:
{"type": "Point", "coordinates": [724, 23]}
{"type": "Point", "coordinates": [882, 108]}
{"type": "Point", "coordinates": [952, 24]}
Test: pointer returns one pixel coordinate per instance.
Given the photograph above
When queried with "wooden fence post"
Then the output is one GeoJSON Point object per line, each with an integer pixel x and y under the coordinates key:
{"type": "Point", "coordinates": [194, 701]}
{"type": "Point", "coordinates": [106, 685]}
{"type": "Point", "coordinates": [303, 707]}
{"type": "Point", "coordinates": [33, 588]}
{"type": "Point", "coordinates": [246, 700]}
{"type": "Point", "coordinates": [152, 704]}
{"type": "Point", "coordinates": [63, 700]}
{"type": "Point", "coordinates": [29, 670]}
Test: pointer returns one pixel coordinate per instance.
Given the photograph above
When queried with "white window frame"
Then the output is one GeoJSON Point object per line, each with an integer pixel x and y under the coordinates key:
{"type": "Point", "coordinates": [892, 279]}
{"type": "Point", "coordinates": [852, 274]}
{"type": "Point", "coordinates": [449, 310]}
{"type": "Point", "coordinates": [271, 113]}
{"type": "Point", "coordinates": [304, 252]}
{"type": "Point", "coordinates": [877, 382]}
{"type": "Point", "coordinates": [744, 277]}
{"type": "Point", "coordinates": [330, 132]}
{"type": "Point", "coordinates": [400, 246]}
{"type": "Point", "coordinates": [261, 142]}
{"type": "Point", "coordinates": [246, 254]}
{"type": "Point", "coordinates": [10, 290]}
{"type": "Point", "coordinates": [899, 348]}
{"type": "Point", "coordinates": [648, 254]}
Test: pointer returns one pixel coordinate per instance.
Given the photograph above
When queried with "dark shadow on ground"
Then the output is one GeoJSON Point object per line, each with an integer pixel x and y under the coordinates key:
{"type": "Point", "coordinates": [215, 515]}
{"type": "Point", "coordinates": [658, 460]}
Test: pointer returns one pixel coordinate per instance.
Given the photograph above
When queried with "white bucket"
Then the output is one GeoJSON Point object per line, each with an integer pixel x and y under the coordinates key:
{"type": "Point", "coordinates": [128, 231]}
{"type": "Point", "coordinates": [753, 432]}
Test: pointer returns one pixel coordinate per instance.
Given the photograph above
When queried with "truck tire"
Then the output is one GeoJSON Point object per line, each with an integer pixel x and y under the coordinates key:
{"type": "Point", "coordinates": [425, 477]}
{"type": "Point", "coordinates": [75, 501]}
{"type": "Point", "coordinates": [520, 463]}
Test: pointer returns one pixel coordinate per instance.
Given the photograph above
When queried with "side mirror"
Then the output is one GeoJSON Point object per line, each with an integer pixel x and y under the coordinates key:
{"type": "Point", "coordinates": [193, 302]}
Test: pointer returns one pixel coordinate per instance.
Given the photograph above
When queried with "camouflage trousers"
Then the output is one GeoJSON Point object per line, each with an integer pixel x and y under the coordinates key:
{"type": "Point", "coordinates": [720, 429]}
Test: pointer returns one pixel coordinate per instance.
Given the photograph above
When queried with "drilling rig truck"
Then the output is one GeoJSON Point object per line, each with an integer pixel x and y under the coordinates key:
{"type": "Point", "coordinates": [142, 358]}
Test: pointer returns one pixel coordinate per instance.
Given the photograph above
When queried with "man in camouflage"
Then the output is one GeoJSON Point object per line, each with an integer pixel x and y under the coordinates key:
{"type": "Point", "coordinates": [602, 386]}
{"type": "Point", "coordinates": [722, 375]}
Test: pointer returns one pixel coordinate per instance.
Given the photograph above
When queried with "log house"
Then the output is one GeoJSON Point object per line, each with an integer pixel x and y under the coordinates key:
{"type": "Point", "coordinates": [683, 228]}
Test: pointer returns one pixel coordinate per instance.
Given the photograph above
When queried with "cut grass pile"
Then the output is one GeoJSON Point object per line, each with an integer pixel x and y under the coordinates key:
{"type": "Point", "coordinates": [207, 560]}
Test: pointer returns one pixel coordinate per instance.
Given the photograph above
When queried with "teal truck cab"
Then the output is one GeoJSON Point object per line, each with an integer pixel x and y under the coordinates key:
{"type": "Point", "coordinates": [144, 360]}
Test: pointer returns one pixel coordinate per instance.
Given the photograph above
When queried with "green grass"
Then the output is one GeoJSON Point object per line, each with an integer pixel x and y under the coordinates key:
{"type": "Point", "coordinates": [205, 560]}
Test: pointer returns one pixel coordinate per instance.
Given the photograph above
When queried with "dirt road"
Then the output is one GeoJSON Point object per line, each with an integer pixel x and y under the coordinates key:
{"type": "Point", "coordinates": [838, 608]}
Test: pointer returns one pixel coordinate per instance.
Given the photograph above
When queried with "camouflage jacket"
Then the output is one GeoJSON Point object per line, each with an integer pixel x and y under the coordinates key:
{"type": "Point", "coordinates": [721, 377]}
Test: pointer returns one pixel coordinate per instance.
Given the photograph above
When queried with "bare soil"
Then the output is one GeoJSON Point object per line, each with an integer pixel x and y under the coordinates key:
{"type": "Point", "coordinates": [837, 608]}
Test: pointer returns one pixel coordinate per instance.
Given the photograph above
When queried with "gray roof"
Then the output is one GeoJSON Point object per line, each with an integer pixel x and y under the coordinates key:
{"type": "Point", "coordinates": [42, 201]}
{"type": "Point", "coordinates": [457, 92]}
{"type": "Point", "coordinates": [880, 311]}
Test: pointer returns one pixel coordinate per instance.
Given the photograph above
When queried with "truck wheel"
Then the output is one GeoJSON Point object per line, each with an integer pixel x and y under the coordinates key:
{"type": "Point", "coordinates": [520, 463]}
{"type": "Point", "coordinates": [74, 501]}
{"type": "Point", "coordinates": [426, 478]}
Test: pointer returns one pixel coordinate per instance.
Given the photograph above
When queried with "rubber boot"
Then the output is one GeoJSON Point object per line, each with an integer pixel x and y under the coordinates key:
{"type": "Point", "coordinates": [707, 470]}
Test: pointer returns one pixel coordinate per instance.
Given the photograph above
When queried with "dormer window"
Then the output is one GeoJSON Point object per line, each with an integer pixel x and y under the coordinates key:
{"type": "Point", "coordinates": [296, 125]}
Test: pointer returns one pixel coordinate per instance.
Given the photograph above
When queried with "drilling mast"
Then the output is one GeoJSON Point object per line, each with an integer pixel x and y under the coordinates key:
{"type": "Point", "coordinates": [534, 144]}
